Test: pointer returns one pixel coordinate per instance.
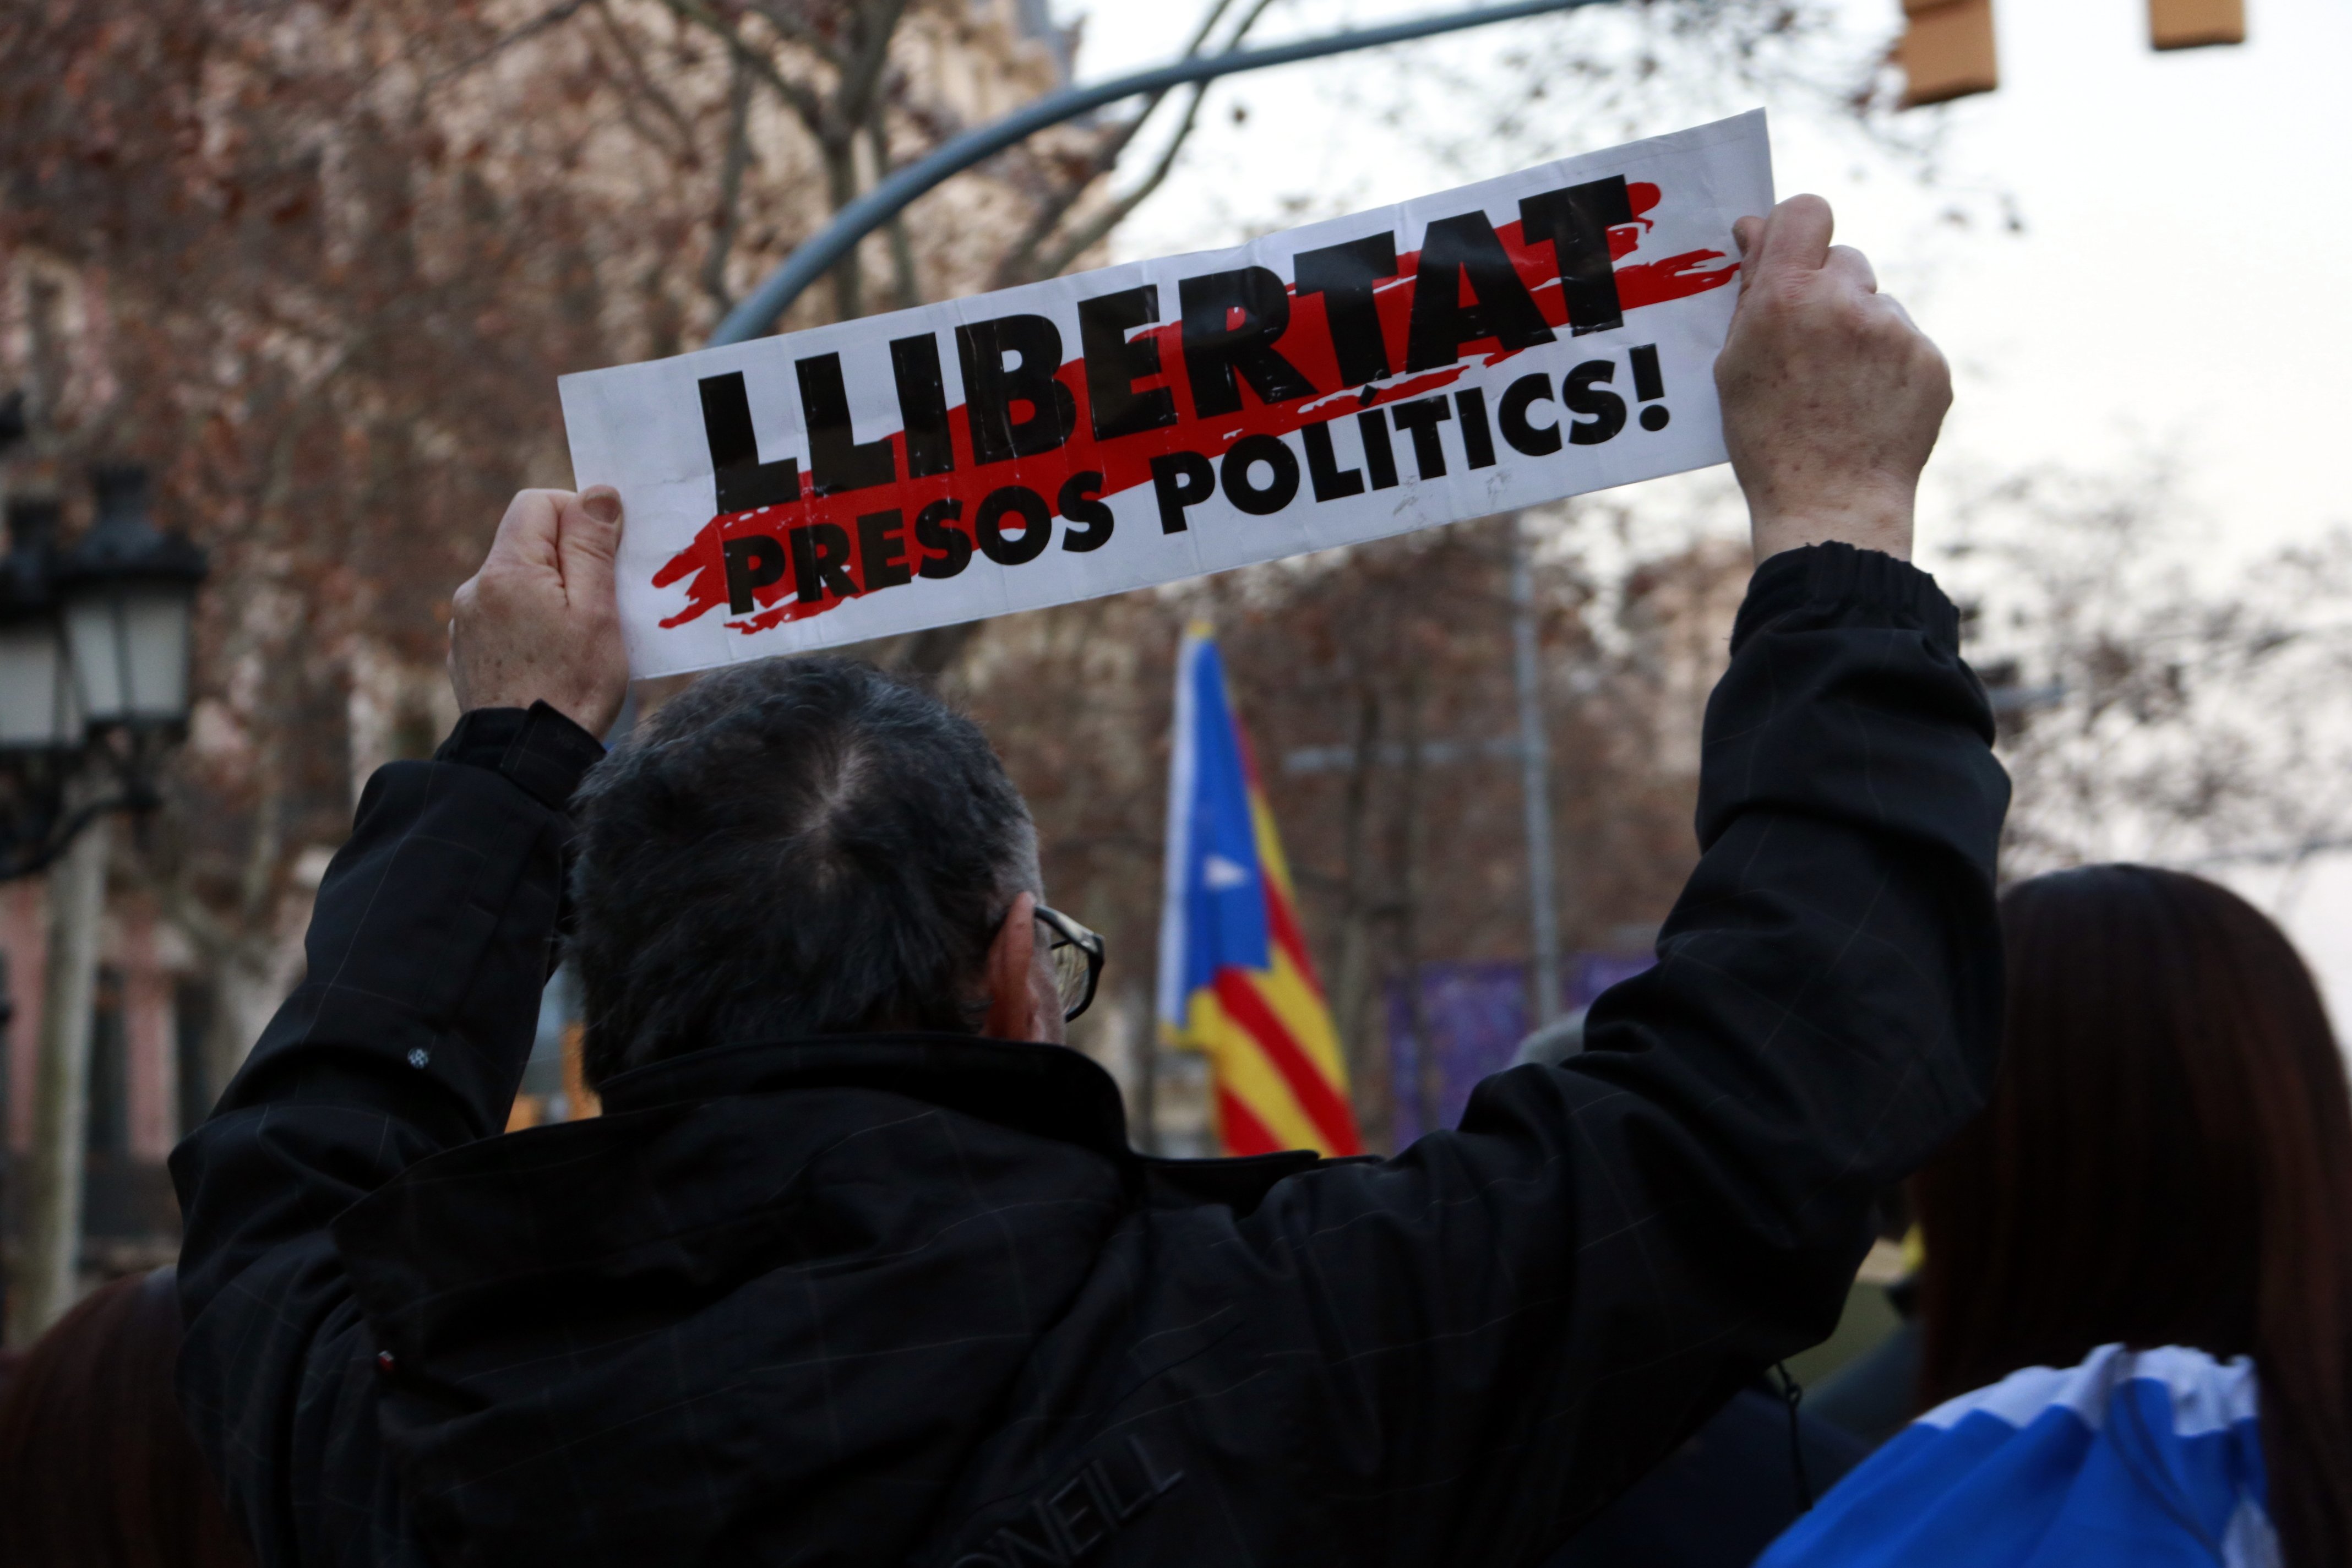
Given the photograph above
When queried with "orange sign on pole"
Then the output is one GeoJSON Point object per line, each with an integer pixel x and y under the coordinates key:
{"type": "Point", "coordinates": [1947, 51]}
{"type": "Point", "coordinates": [2194, 24]}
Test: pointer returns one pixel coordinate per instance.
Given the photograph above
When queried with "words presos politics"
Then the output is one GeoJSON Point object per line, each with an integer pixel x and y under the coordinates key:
{"type": "Point", "coordinates": [1155, 415]}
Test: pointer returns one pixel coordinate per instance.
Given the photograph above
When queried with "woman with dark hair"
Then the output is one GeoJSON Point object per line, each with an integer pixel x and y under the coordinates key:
{"type": "Point", "coordinates": [2136, 1303]}
{"type": "Point", "coordinates": [97, 1471]}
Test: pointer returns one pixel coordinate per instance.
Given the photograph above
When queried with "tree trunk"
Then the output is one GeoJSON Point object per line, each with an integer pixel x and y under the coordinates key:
{"type": "Point", "coordinates": [1535, 784]}
{"type": "Point", "coordinates": [48, 1268]}
{"type": "Point", "coordinates": [246, 989]}
{"type": "Point", "coordinates": [841, 186]}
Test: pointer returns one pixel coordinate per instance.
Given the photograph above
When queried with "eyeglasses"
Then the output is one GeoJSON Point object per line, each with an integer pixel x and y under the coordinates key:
{"type": "Point", "coordinates": [1077, 955]}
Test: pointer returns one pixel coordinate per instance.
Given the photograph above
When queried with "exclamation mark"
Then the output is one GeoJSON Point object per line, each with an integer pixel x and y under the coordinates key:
{"type": "Point", "coordinates": [1648, 385]}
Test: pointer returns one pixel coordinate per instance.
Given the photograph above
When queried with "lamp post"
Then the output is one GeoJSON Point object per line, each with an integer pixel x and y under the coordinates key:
{"type": "Point", "coordinates": [94, 654]}
{"type": "Point", "coordinates": [126, 592]}
{"type": "Point", "coordinates": [93, 665]}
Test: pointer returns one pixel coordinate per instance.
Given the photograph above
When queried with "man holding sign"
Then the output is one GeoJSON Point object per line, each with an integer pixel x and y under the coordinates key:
{"type": "Point", "coordinates": [858, 1266]}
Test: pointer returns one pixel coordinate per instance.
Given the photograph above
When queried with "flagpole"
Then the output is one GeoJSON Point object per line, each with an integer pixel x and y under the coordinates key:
{"type": "Point", "coordinates": [1169, 999]}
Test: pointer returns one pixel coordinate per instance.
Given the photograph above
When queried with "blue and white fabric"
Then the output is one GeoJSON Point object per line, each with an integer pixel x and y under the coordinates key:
{"type": "Point", "coordinates": [2147, 1457]}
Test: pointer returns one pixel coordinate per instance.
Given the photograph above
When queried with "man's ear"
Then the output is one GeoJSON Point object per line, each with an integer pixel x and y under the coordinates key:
{"type": "Point", "coordinates": [1012, 1000]}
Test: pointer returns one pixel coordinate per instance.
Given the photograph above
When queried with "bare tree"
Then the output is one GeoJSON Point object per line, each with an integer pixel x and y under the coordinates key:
{"type": "Point", "coordinates": [321, 269]}
{"type": "Point", "coordinates": [2157, 703]}
{"type": "Point", "coordinates": [829, 64]}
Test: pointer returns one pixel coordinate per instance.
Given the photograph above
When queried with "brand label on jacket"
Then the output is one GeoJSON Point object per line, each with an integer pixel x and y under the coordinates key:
{"type": "Point", "coordinates": [1067, 1520]}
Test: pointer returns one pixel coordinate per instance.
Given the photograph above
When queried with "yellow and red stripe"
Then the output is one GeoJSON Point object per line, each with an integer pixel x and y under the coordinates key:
{"type": "Point", "coordinates": [1280, 1079]}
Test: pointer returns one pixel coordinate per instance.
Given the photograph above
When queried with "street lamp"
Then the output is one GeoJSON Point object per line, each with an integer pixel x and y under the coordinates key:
{"type": "Point", "coordinates": [126, 591]}
{"type": "Point", "coordinates": [38, 715]}
{"type": "Point", "coordinates": [94, 652]}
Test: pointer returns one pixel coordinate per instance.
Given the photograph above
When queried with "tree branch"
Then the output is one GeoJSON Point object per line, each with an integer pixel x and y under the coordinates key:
{"type": "Point", "coordinates": [555, 15]}
{"type": "Point", "coordinates": [1017, 265]}
{"type": "Point", "coordinates": [730, 187]}
{"type": "Point", "coordinates": [1022, 265]}
{"type": "Point", "coordinates": [1208, 24]}
{"type": "Point", "coordinates": [1096, 229]}
{"type": "Point", "coordinates": [795, 30]}
{"type": "Point", "coordinates": [841, 189]}
{"type": "Point", "coordinates": [1091, 232]}
{"type": "Point", "coordinates": [902, 252]}
{"type": "Point", "coordinates": [648, 89]}
{"type": "Point", "coordinates": [853, 100]}
{"type": "Point", "coordinates": [801, 99]}
{"type": "Point", "coordinates": [853, 104]}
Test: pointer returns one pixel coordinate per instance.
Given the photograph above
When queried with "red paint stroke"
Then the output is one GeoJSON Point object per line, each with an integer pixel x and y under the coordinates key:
{"type": "Point", "coordinates": [1316, 1094]}
{"type": "Point", "coordinates": [1125, 461]}
{"type": "Point", "coordinates": [1281, 918]}
{"type": "Point", "coordinates": [1240, 1130]}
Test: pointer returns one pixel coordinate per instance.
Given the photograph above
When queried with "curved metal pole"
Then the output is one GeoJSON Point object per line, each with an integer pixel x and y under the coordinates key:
{"type": "Point", "coordinates": [816, 256]}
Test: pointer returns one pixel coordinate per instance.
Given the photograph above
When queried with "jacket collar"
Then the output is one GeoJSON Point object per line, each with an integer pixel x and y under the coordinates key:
{"type": "Point", "coordinates": [1049, 1091]}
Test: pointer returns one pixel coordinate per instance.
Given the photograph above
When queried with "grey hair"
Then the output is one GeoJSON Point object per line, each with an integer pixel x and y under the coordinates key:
{"type": "Point", "coordinates": [792, 847]}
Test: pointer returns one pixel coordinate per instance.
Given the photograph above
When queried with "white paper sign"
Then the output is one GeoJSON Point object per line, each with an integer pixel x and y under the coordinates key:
{"type": "Point", "coordinates": [1542, 335]}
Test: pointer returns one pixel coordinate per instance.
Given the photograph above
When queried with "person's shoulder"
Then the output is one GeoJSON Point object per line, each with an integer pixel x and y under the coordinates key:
{"type": "Point", "coordinates": [2195, 1393]}
{"type": "Point", "coordinates": [2056, 1464]}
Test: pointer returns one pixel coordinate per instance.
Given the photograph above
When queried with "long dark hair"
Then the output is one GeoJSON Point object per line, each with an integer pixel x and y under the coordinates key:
{"type": "Point", "coordinates": [96, 1469]}
{"type": "Point", "coordinates": [2167, 1159]}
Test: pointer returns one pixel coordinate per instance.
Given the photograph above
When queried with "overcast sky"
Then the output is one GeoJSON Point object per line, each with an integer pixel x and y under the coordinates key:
{"type": "Point", "coordinates": [2174, 286]}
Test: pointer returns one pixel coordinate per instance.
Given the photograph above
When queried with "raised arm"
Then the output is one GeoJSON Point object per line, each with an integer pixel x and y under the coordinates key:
{"type": "Point", "coordinates": [427, 950]}
{"type": "Point", "coordinates": [1516, 1319]}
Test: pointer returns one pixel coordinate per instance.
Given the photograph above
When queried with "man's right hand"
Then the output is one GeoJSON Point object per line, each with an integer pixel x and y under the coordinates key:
{"type": "Point", "coordinates": [1831, 397]}
{"type": "Point", "coordinates": [539, 621]}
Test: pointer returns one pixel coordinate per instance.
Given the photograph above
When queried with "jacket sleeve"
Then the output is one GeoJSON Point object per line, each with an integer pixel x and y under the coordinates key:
{"type": "Point", "coordinates": [427, 950]}
{"type": "Point", "coordinates": [1509, 1322]}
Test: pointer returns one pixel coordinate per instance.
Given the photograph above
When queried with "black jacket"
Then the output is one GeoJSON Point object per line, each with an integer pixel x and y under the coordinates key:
{"type": "Point", "coordinates": [1725, 1494]}
{"type": "Point", "coordinates": [913, 1300]}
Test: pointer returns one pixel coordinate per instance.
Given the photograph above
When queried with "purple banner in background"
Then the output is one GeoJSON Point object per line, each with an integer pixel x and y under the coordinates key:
{"type": "Point", "coordinates": [1478, 1014]}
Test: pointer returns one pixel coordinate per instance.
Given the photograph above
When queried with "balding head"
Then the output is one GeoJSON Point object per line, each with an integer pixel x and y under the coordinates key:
{"type": "Point", "coordinates": [792, 847]}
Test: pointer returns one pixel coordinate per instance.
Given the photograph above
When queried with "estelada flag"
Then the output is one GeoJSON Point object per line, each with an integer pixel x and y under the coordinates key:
{"type": "Point", "coordinates": [1236, 981]}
